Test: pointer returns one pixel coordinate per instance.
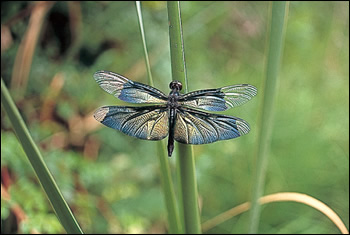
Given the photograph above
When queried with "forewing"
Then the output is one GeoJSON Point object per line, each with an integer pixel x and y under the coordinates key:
{"type": "Point", "coordinates": [219, 99]}
{"type": "Point", "coordinates": [148, 122]}
{"type": "Point", "coordinates": [127, 90]}
{"type": "Point", "coordinates": [195, 127]}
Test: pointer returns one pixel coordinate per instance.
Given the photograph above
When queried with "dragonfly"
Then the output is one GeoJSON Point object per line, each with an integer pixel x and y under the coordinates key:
{"type": "Point", "coordinates": [179, 116]}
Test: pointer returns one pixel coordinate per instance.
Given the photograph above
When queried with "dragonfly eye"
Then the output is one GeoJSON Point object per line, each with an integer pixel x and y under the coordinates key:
{"type": "Point", "coordinates": [175, 85]}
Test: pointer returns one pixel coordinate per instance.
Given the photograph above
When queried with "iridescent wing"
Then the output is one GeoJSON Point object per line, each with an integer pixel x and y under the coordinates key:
{"type": "Point", "coordinates": [148, 122]}
{"type": "Point", "coordinates": [196, 127]}
{"type": "Point", "coordinates": [127, 90]}
{"type": "Point", "coordinates": [219, 99]}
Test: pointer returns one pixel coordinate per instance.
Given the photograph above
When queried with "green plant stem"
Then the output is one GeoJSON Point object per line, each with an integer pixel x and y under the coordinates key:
{"type": "Point", "coordinates": [190, 210]}
{"type": "Point", "coordinates": [168, 190]}
{"type": "Point", "coordinates": [177, 52]}
{"type": "Point", "coordinates": [185, 161]}
{"type": "Point", "coordinates": [167, 184]}
{"type": "Point", "coordinates": [54, 195]}
{"type": "Point", "coordinates": [275, 47]}
{"type": "Point", "coordinates": [145, 52]}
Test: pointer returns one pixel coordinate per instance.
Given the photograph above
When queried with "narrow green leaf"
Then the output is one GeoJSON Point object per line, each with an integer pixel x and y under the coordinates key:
{"type": "Point", "coordinates": [145, 53]}
{"type": "Point", "coordinates": [275, 47]}
{"type": "Point", "coordinates": [185, 161]}
{"type": "Point", "coordinates": [168, 186]}
{"type": "Point", "coordinates": [54, 195]}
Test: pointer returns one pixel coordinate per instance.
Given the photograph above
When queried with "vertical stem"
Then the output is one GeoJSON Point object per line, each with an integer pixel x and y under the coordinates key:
{"type": "Point", "coordinates": [167, 184]}
{"type": "Point", "coordinates": [277, 22]}
{"type": "Point", "coordinates": [189, 192]}
{"type": "Point", "coordinates": [187, 180]}
{"type": "Point", "coordinates": [177, 52]}
{"type": "Point", "coordinates": [139, 15]}
{"type": "Point", "coordinates": [168, 190]}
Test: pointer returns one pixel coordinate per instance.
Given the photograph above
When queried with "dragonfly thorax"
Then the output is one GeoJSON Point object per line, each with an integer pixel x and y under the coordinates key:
{"type": "Point", "coordinates": [172, 99]}
{"type": "Point", "coordinates": [175, 87]}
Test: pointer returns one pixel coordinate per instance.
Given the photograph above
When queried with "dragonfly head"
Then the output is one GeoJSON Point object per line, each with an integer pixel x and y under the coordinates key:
{"type": "Point", "coordinates": [175, 85]}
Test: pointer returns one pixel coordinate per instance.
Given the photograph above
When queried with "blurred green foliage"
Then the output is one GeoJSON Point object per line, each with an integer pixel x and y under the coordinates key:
{"type": "Point", "coordinates": [119, 191]}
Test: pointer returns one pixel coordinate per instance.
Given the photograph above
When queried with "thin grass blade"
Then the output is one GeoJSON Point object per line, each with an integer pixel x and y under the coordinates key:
{"type": "Point", "coordinates": [46, 180]}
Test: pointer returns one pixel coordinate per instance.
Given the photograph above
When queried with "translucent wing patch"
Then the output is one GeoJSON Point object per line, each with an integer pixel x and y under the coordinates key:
{"type": "Point", "coordinates": [148, 122]}
{"type": "Point", "coordinates": [219, 99]}
{"type": "Point", "coordinates": [127, 90]}
{"type": "Point", "coordinates": [195, 127]}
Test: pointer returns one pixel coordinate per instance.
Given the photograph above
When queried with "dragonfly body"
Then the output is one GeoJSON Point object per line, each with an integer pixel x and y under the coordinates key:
{"type": "Point", "coordinates": [172, 104]}
{"type": "Point", "coordinates": [176, 115]}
